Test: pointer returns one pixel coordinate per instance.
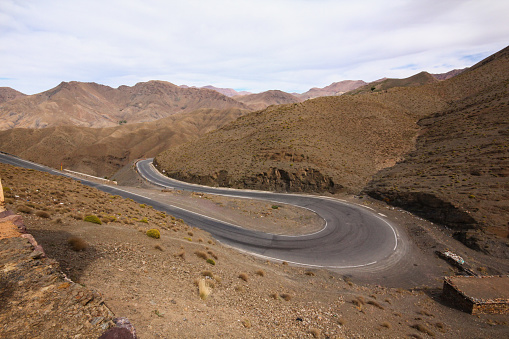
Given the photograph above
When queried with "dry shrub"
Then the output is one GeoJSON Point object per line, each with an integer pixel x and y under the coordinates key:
{"type": "Point", "coordinates": [274, 296]}
{"type": "Point", "coordinates": [246, 323]}
{"type": "Point", "coordinates": [240, 288]}
{"type": "Point", "coordinates": [24, 209]}
{"type": "Point", "coordinates": [208, 274]}
{"type": "Point", "coordinates": [77, 244]}
{"type": "Point", "coordinates": [190, 233]}
{"type": "Point", "coordinates": [423, 329]}
{"type": "Point", "coordinates": [244, 277]}
{"type": "Point", "coordinates": [423, 312]}
{"type": "Point", "coordinates": [213, 255]}
{"type": "Point", "coordinates": [310, 273]}
{"type": "Point", "coordinates": [158, 247]}
{"type": "Point", "coordinates": [181, 254]}
{"type": "Point", "coordinates": [261, 273]}
{"type": "Point", "coordinates": [286, 296]}
{"type": "Point", "coordinates": [376, 304]}
{"type": "Point", "coordinates": [315, 332]}
{"type": "Point", "coordinates": [203, 289]}
{"type": "Point", "coordinates": [386, 325]}
{"type": "Point", "coordinates": [201, 254]}
{"type": "Point", "coordinates": [200, 240]}
{"type": "Point", "coordinates": [43, 214]}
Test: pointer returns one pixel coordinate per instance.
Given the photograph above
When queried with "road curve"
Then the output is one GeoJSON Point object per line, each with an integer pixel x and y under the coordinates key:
{"type": "Point", "coordinates": [354, 237]}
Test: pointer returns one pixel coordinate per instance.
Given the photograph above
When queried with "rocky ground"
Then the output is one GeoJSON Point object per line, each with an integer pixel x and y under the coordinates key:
{"type": "Point", "coordinates": [155, 282]}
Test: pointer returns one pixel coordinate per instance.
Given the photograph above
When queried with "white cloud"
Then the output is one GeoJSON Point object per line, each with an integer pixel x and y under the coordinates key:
{"type": "Point", "coordinates": [291, 45]}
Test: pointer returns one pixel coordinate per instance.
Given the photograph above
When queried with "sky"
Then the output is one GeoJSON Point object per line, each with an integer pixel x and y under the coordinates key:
{"type": "Point", "coordinates": [253, 45]}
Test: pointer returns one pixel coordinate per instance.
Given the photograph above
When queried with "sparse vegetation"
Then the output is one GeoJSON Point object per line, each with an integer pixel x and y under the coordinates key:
{"type": "Point", "coordinates": [93, 219]}
{"type": "Point", "coordinates": [43, 214]}
{"type": "Point", "coordinates": [154, 233]}
{"type": "Point", "coordinates": [204, 289]}
{"type": "Point", "coordinates": [244, 276]}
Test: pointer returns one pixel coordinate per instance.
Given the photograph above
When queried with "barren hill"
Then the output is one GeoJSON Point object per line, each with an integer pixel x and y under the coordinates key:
{"type": "Point", "coordinates": [384, 84]}
{"type": "Point", "coordinates": [94, 105]}
{"type": "Point", "coordinates": [265, 99]}
{"type": "Point", "coordinates": [102, 151]}
{"type": "Point", "coordinates": [339, 143]}
{"type": "Point", "coordinates": [336, 88]}
{"type": "Point", "coordinates": [7, 94]}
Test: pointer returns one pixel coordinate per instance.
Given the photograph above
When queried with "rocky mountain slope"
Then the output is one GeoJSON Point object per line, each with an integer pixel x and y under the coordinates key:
{"type": "Point", "coordinates": [265, 99]}
{"type": "Point", "coordinates": [324, 144]}
{"type": "Point", "coordinates": [458, 174]}
{"type": "Point", "coordinates": [7, 94]}
{"type": "Point", "coordinates": [102, 151]}
{"type": "Point", "coordinates": [93, 105]}
{"type": "Point", "coordinates": [336, 88]}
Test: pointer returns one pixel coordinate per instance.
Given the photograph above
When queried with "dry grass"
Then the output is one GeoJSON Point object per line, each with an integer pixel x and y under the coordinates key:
{"type": "Point", "coordinates": [43, 214]}
{"type": "Point", "coordinates": [376, 304]}
{"type": "Point", "coordinates": [310, 273]}
{"type": "Point", "coordinates": [77, 244]}
{"type": "Point", "coordinates": [261, 273]}
{"type": "Point", "coordinates": [158, 247]}
{"type": "Point", "coordinates": [244, 276]}
{"type": "Point", "coordinates": [214, 255]}
{"type": "Point", "coordinates": [181, 254]}
{"type": "Point", "coordinates": [204, 289]}
{"type": "Point", "coordinates": [24, 209]}
{"type": "Point", "coordinates": [246, 323]}
{"type": "Point", "coordinates": [423, 329]}
{"type": "Point", "coordinates": [386, 325]}
{"type": "Point", "coordinates": [201, 254]}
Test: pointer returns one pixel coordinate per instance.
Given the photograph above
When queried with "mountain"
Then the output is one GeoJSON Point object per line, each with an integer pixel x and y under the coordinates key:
{"type": "Point", "coordinates": [229, 92]}
{"type": "Point", "coordinates": [448, 75]}
{"type": "Point", "coordinates": [94, 105]}
{"type": "Point", "coordinates": [7, 94]}
{"type": "Point", "coordinates": [102, 151]}
{"type": "Point", "coordinates": [384, 84]}
{"type": "Point", "coordinates": [265, 99]}
{"type": "Point", "coordinates": [336, 88]}
{"type": "Point", "coordinates": [455, 173]}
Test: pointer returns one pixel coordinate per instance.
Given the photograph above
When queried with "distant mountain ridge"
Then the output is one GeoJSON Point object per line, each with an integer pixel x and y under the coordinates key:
{"type": "Point", "coordinates": [93, 105]}
{"type": "Point", "coordinates": [268, 98]}
{"type": "Point", "coordinates": [336, 88]}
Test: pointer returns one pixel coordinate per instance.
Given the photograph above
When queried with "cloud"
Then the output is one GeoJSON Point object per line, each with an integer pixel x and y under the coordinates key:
{"type": "Point", "coordinates": [291, 45]}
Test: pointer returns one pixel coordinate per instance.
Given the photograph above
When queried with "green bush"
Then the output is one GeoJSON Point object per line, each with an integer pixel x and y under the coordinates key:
{"type": "Point", "coordinates": [211, 261]}
{"type": "Point", "coordinates": [154, 233]}
{"type": "Point", "coordinates": [93, 218]}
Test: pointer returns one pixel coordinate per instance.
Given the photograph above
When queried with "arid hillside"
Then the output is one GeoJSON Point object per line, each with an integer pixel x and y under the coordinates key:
{"type": "Point", "coordinates": [102, 151]}
{"type": "Point", "coordinates": [330, 143]}
{"type": "Point", "coordinates": [265, 99]}
{"type": "Point", "coordinates": [93, 105]}
{"type": "Point", "coordinates": [418, 79]}
{"type": "Point", "coordinates": [458, 174]}
{"type": "Point", "coordinates": [7, 94]}
{"type": "Point", "coordinates": [324, 144]}
{"type": "Point", "coordinates": [336, 88]}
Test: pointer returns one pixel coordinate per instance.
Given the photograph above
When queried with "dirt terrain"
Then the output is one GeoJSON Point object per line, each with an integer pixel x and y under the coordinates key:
{"type": "Point", "coordinates": [103, 151]}
{"type": "Point", "coordinates": [263, 100]}
{"type": "Point", "coordinates": [153, 282]}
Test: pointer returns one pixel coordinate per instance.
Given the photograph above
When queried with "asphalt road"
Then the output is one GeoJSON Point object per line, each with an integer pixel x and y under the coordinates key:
{"type": "Point", "coordinates": [354, 236]}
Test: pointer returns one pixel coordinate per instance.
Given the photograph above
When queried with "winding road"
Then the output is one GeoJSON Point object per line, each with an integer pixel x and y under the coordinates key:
{"type": "Point", "coordinates": [354, 236]}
